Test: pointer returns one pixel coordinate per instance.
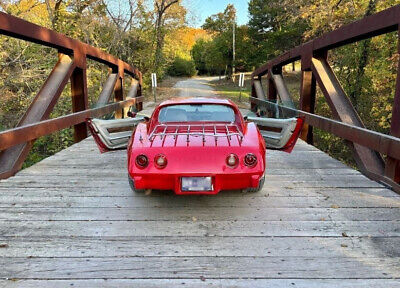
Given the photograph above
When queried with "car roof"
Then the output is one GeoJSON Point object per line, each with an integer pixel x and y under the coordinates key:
{"type": "Point", "coordinates": [197, 100]}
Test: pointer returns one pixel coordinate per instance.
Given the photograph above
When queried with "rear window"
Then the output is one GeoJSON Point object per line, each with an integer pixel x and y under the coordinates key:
{"type": "Point", "coordinates": [196, 112]}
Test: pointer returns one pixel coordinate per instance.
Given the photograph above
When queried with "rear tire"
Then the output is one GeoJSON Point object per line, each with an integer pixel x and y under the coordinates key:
{"type": "Point", "coordinates": [132, 184]}
{"type": "Point", "coordinates": [259, 187]}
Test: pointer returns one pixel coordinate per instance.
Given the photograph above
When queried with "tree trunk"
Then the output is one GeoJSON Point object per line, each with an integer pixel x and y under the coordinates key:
{"type": "Point", "coordinates": [159, 43]}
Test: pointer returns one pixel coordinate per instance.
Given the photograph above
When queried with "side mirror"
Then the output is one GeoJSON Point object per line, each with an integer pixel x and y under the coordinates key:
{"type": "Point", "coordinates": [245, 118]}
{"type": "Point", "coordinates": [147, 119]}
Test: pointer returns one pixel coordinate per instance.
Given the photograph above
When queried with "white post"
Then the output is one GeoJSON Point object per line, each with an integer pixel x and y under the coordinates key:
{"type": "Point", "coordinates": [241, 85]}
{"type": "Point", "coordinates": [154, 85]}
{"type": "Point", "coordinates": [234, 50]}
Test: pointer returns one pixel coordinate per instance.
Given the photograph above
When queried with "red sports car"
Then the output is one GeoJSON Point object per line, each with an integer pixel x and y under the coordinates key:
{"type": "Point", "coordinates": [197, 146]}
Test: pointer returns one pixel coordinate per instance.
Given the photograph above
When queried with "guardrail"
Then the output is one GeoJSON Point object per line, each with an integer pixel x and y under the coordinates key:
{"type": "Point", "coordinates": [366, 144]}
{"type": "Point", "coordinates": [16, 143]}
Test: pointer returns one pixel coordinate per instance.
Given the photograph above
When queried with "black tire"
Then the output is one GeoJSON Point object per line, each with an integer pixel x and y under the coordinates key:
{"type": "Point", "coordinates": [259, 187]}
{"type": "Point", "coordinates": [132, 184]}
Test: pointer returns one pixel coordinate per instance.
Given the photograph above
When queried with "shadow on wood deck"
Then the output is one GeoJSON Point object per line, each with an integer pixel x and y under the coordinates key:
{"type": "Point", "coordinates": [71, 220]}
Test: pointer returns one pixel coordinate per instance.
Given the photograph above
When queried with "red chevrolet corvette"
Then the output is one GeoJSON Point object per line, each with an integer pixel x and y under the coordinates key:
{"type": "Point", "coordinates": [197, 146]}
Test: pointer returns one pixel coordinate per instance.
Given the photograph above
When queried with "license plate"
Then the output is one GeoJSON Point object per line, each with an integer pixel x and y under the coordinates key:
{"type": "Point", "coordinates": [196, 184]}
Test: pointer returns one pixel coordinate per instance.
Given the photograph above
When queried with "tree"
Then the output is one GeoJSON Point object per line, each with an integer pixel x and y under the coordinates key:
{"type": "Point", "coordinates": [221, 22]}
{"type": "Point", "coordinates": [161, 7]}
{"type": "Point", "coordinates": [199, 53]}
{"type": "Point", "coordinates": [274, 27]}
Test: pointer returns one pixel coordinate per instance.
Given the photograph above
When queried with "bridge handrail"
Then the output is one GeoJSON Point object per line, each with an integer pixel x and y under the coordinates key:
{"type": "Point", "coordinates": [316, 70]}
{"type": "Point", "coordinates": [16, 143]}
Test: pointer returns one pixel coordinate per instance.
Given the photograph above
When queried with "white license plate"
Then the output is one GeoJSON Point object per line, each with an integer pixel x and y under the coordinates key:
{"type": "Point", "coordinates": [196, 184]}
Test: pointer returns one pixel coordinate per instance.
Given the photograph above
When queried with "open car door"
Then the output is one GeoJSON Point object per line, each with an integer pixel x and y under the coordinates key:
{"type": "Point", "coordinates": [279, 134]}
{"type": "Point", "coordinates": [112, 134]}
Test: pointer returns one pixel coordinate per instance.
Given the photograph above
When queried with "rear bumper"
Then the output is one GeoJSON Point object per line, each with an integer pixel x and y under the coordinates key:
{"type": "Point", "coordinates": [220, 182]}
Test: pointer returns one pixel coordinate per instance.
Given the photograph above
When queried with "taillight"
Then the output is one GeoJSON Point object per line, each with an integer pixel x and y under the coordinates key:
{"type": "Point", "coordinates": [232, 160]}
{"type": "Point", "coordinates": [250, 160]}
{"type": "Point", "coordinates": [142, 161]}
{"type": "Point", "coordinates": [160, 161]}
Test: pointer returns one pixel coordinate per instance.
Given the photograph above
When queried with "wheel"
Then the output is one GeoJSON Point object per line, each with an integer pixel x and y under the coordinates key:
{"type": "Point", "coordinates": [259, 187]}
{"type": "Point", "coordinates": [132, 184]}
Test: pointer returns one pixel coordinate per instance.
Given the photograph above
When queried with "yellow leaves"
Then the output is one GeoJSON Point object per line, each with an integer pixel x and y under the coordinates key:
{"type": "Point", "coordinates": [31, 10]}
{"type": "Point", "coordinates": [180, 42]}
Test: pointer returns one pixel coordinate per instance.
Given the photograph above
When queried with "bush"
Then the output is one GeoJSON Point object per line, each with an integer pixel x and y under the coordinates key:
{"type": "Point", "coordinates": [182, 67]}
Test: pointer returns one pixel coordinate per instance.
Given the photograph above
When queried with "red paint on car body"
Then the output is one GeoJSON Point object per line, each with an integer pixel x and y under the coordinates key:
{"type": "Point", "coordinates": [191, 150]}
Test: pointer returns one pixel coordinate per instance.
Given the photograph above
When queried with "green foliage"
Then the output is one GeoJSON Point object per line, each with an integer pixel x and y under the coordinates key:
{"type": "Point", "coordinates": [273, 29]}
{"type": "Point", "coordinates": [182, 67]}
{"type": "Point", "coordinates": [221, 22]}
{"type": "Point", "coordinates": [199, 54]}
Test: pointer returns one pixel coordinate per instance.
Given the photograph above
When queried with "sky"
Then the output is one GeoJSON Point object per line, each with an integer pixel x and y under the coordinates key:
{"type": "Point", "coordinates": [200, 9]}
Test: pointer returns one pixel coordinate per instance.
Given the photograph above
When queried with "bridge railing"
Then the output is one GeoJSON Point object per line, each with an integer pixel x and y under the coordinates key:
{"type": "Point", "coordinates": [367, 145]}
{"type": "Point", "coordinates": [16, 143]}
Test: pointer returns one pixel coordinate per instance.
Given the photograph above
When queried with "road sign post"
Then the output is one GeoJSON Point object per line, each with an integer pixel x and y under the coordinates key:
{"type": "Point", "coordinates": [241, 85]}
{"type": "Point", "coordinates": [154, 85]}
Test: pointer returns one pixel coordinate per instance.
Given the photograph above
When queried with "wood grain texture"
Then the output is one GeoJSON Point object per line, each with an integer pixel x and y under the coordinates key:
{"type": "Point", "coordinates": [71, 220]}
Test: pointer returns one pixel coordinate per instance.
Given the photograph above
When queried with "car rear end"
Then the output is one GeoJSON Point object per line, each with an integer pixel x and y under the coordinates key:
{"type": "Point", "coordinates": [197, 158]}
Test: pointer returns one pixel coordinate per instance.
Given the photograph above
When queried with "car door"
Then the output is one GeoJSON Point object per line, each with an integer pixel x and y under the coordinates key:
{"type": "Point", "coordinates": [279, 134]}
{"type": "Point", "coordinates": [112, 134]}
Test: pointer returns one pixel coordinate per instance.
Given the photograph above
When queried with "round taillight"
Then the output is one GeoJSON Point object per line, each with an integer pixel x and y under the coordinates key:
{"type": "Point", "coordinates": [250, 160]}
{"type": "Point", "coordinates": [160, 161]}
{"type": "Point", "coordinates": [142, 161]}
{"type": "Point", "coordinates": [232, 160]}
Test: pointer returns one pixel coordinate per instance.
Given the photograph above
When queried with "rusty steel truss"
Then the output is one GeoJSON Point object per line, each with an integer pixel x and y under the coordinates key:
{"type": "Point", "coordinates": [367, 145]}
{"type": "Point", "coordinates": [16, 143]}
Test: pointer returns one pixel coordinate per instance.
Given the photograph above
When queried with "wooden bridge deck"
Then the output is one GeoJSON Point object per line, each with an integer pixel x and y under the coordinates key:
{"type": "Point", "coordinates": [72, 221]}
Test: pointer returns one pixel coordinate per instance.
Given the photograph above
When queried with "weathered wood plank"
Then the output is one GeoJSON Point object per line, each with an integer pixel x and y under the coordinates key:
{"type": "Point", "coordinates": [200, 213]}
{"type": "Point", "coordinates": [76, 191]}
{"type": "Point", "coordinates": [199, 228]}
{"type": "Point", "coordinates": [176, 201]}
{"type": "Point", "coordinates": [358, 247]}
{"type": "Point", "coordinates": [196, 267]}
{"type": "Point", "coordinates": [204, 282]}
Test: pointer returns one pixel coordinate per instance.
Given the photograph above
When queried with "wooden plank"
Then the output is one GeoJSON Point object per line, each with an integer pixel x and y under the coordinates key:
{"type": "Point", "coordinates": [230, 228]}
{"type": "Point", "coordinates": [200, 201]}
{"type": "Point", "coordinates": [200, 213]}
{"type": "Point", "coordinates": [196, 267]}
{"type": "Point", "coordinates": [200, 283]}
{"type": "Point", "coordinates": [364, 247]}
{"type": "Point", "coordinates": [76, 191]}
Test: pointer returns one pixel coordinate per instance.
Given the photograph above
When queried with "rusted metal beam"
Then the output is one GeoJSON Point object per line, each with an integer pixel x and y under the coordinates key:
{"type": "Point", "coordinates": [79, 100]}
{"type": "Point", "coordinates": [21, 29]}
{"type": "Point", "coordinates": [272, 93]}
{"type": "Point", "coordinates": [132, 93]}
{"type": "Point", "coordinates": [108, 89]}
{"type": "Point", "coordinates": [392, 168]}
{"type": "Point", "coordinates": [119, 96]}
{"type": "Point", "coordinates": [282, 90]}
{"type": "Point", "coordinates": [33, 131]}
{"type": "Point", "coordinates": [307, 102]}
{"type": "Point", "coordinates": [258, 89]}
{"type": "Point", "coordinates": [139, 106]}
{"type": "Point", "coordinates": [11, 160]}
{"type": "Point", "coordinates": [343, 110]}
